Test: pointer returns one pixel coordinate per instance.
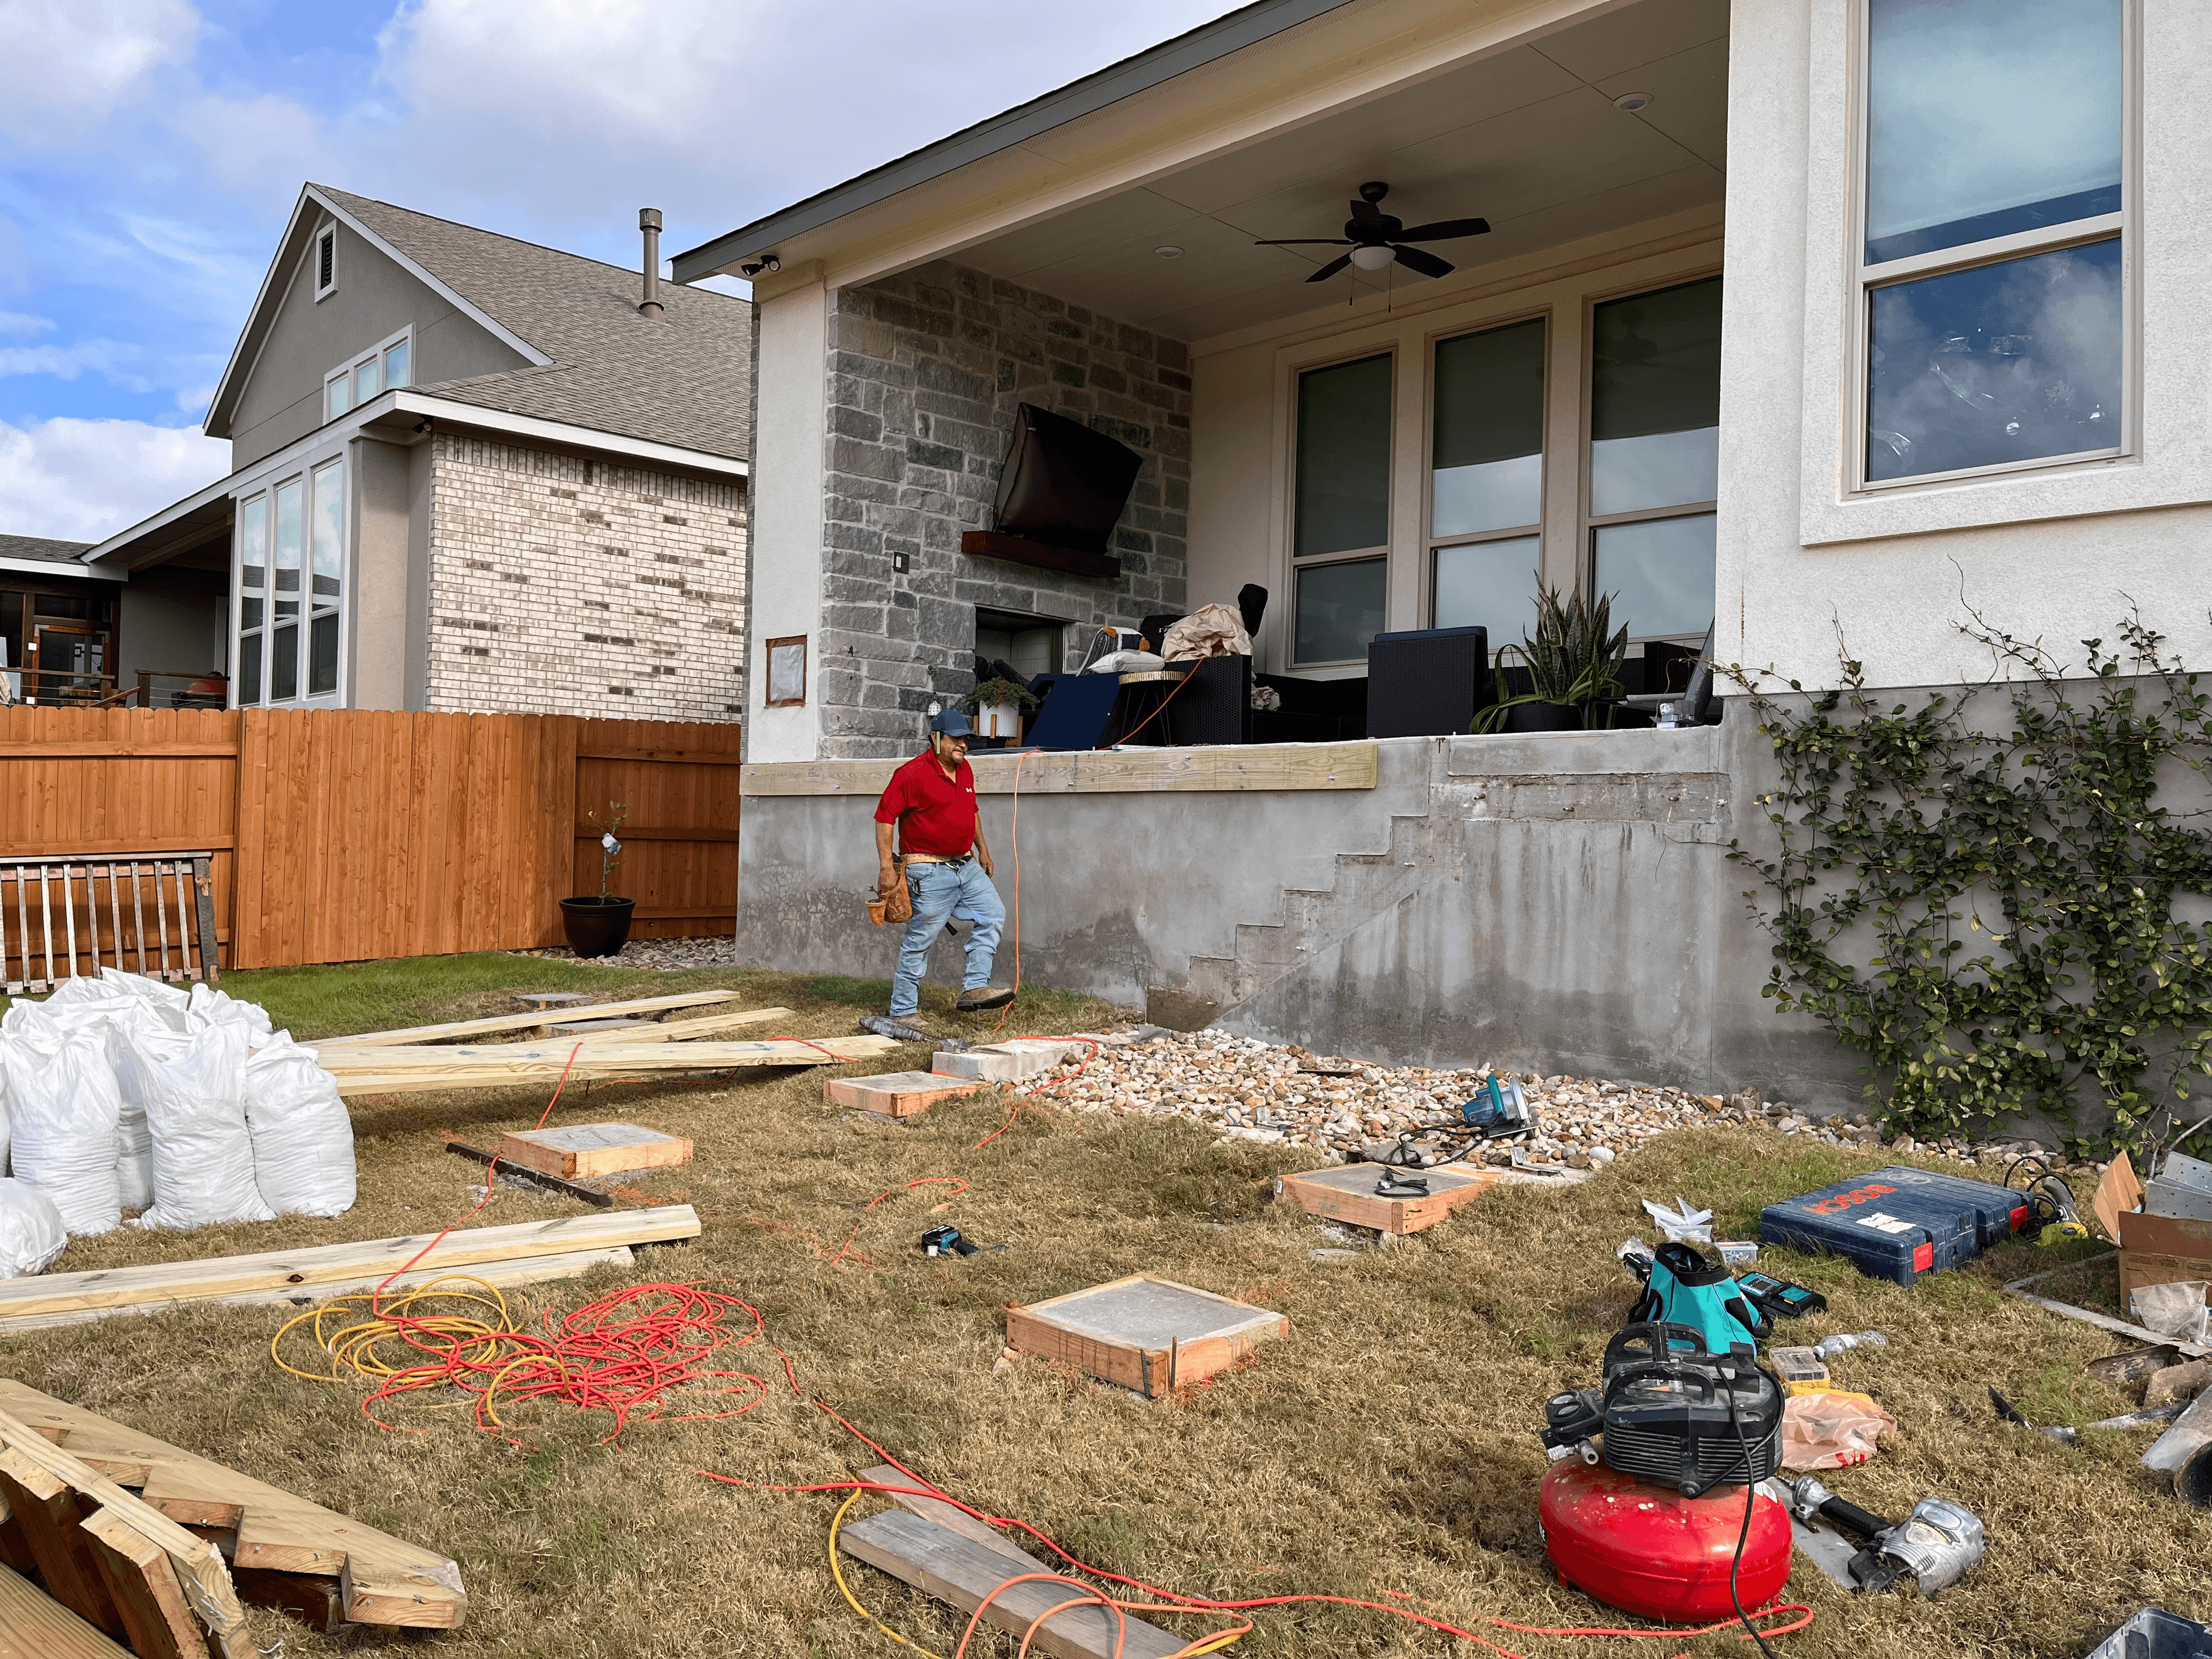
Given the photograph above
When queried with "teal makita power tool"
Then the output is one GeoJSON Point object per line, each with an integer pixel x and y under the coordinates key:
{"type": "Point", "coordinates": [1499, 1109]}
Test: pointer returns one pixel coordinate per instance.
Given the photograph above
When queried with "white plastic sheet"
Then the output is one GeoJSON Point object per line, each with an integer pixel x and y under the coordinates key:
{"type": "Point", "coordinates": [62, 1108]}
{"type": "Point", "coordinates": [302, 1135]}
{"type": "Point", "coordinates": [32, 1233]}
{"type": "Point", "coordinates": [202, 1157]}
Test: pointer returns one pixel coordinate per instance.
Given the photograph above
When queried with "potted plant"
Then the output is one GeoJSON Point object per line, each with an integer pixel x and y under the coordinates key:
{"type": "Point", "coordinates": [1573, 662]}
{"type": "Point", "coordinates": [597, 925]}
{"type": "Point", "coordinates": [998, 705]}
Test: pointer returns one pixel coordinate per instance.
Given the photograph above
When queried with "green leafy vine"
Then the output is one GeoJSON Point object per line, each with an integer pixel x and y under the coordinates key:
{"type": "Point", "coordinates": [1988, 914]}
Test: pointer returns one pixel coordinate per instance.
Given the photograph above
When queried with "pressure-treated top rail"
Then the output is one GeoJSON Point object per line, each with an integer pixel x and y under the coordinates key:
{"type": "Point", "coordinates": [1238, 766]}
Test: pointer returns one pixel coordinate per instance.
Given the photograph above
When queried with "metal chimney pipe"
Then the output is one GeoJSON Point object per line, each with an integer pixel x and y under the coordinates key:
{"type": "Point", "coordinates": [648, 221]}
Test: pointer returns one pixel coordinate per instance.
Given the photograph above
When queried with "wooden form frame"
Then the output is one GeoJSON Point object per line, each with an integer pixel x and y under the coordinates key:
{"type": "Point", "coordinates": [35, 928]}
{"type": "Point", "coordinates": [1346, 1192]}
{"type": "Point", "coordinates": [594, 1149]}
{"type": "Point", "coordinates": [1059, 1329]}
{"type": "Point", "coordinates": [895, 1094]}
{"type": "Point", "coordinates": [287, 1551]}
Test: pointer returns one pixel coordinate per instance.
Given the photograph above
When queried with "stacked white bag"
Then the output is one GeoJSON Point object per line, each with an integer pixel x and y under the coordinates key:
{"type": "Point", "coordinates": [32, 1232]}
{"type": "Point", "coordinates": [302, 1137]}
{"type": "Point", "coordinates": [195, 1088]}
{"type": "Point", "coordinates": [62, 1109]}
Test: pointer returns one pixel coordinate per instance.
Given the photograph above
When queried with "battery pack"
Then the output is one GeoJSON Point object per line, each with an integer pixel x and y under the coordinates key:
{"type": "Point", "coordinates": [1897, 1223]}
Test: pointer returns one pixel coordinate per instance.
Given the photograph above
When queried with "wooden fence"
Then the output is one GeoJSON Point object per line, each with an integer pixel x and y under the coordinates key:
{"type": "Point", "coordinates": [340, 836]}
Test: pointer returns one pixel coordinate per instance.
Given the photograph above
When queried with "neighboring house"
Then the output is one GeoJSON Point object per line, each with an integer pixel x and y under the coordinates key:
{"type": "Point", "coordinates": [62, 621]}
{"type": "Point", "coordinates": [470, 473]}
{"type": "Point", "coordinates": [1790, 316]}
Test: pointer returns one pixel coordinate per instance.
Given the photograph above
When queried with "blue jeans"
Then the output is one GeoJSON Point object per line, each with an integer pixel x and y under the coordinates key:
{"type": "Point", "coordinates": [943, 892]}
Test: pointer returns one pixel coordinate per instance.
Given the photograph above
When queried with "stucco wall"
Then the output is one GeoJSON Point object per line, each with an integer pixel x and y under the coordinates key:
{"type": "Point", "coordinates": [560, 586]}
{"type": "Point", "coordinates": [1558, 904]}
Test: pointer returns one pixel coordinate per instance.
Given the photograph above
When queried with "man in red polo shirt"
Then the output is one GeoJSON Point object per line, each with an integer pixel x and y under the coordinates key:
{"type": "Point", "coordinates": [931, 800]}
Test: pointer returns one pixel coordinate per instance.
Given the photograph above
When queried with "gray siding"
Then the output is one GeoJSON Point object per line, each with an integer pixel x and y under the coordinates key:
{"type": "Point", "coordinates": [283, 397]}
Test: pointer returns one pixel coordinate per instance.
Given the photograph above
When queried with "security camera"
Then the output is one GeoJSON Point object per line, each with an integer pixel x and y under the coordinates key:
{"type": "Point", "coordinates": [766, 262]}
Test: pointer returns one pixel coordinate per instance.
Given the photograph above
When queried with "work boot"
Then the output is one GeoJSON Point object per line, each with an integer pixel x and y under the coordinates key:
{"type": "Point", "coordinates": [983, 998]}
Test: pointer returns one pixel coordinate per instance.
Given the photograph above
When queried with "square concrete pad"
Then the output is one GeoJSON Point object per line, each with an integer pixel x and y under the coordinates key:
{"type": "Point", "coordinates": [1346, 1193]}
{"type": "Point", "coordinates": [1149, 1334]}
{"type": "Point", "coordinates": [594, 1149]}
{"type": "Point", "coordinates": [894, 1094]}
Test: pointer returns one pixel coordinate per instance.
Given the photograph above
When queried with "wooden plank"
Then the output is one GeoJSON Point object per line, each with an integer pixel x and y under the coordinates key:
{"type": "Point", "coordinates": [666, 757]}
{"type": "Point", "coordinates": [1346, 1193]}
{"type": "Point", "coordinates": [594, 1149]}
{"type": "Point", "coordinates": [687, 1031]}
{"type": "Point", "coordinates": [952, 1520]}
{"type": "Point", "coordinates": [47, 1510]}
{"type": "Point", "coordinates": [279, 1270]}
{"type": "Point", "coordinates": [397, 1581]}
{"type": "Point", "coordinates": [955, 1570]}
{"type": "Point", "coordinates": [80, 750]}
{"type": "Point", "coordinates": [34, 1626]}
{"type": "Point", "coordinates": [15, 1548]}
{"type": "Point", "coordinates": [1234, 768]}
{"type": "Point", "coordinates": [420, 1034]}
{"type": "Point", "coordinates": [394, 1071]}
{"type": "Point", "coordinates": [524, 1270]}
{"type": "Point", "coordinates": [157, 1622]}
{"type": "Point", "coordinates": [113, 848]}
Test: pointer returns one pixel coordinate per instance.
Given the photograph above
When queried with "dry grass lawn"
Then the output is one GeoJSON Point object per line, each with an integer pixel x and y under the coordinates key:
{"type": "Point", "coordinates": [1386, 1447]}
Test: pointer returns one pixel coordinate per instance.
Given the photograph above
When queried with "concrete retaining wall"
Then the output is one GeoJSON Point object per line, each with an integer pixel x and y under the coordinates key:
{"type": "Point", "coordinates": [1550, 903]}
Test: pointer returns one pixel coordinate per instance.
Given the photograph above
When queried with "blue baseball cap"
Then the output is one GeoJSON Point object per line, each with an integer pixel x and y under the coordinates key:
{"type": "Point", "coordinates": [952, 723]}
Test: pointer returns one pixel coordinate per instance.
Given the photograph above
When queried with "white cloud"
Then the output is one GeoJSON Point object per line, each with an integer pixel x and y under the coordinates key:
{"type": "Point", "coordinates": [106, 358]}
{"type": "Point", "coordinates": [65, 64]}
{"type": "Point", "coordinates": [20, 323]}
{"type": "Point", "coordinates": [84, 480]}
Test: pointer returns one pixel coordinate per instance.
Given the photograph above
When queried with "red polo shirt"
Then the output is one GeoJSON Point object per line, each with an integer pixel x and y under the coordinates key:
{"type": "Point", "coordinates": [935, 814]}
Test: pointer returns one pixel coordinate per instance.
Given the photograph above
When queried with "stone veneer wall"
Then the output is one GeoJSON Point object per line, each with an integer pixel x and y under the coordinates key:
{"type": "Point", "coordinates": [564, 585]}
{"type": "Point", "coordinates": [925, 371]}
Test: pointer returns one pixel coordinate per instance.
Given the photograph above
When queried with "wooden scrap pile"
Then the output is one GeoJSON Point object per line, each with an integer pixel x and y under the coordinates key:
{"type": "Point", "coordinates": [111, 1541]}
{"type": "Point", "coordinates": [426, 1057]}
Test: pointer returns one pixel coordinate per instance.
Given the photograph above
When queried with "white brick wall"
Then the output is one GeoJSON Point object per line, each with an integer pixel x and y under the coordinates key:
{"type": "Point", "coordinates": [560, 586]}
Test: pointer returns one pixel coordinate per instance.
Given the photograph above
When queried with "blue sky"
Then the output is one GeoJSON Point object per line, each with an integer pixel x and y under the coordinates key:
{"type": "Point", "coordinates": [151, 151]}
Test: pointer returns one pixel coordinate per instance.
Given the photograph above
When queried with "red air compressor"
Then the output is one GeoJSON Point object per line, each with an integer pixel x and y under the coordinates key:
{"type": "Point", "coordinates": [1655, 1529]}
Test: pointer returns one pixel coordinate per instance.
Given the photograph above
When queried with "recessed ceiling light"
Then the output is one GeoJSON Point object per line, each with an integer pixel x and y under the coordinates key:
{"type": "Point", "coordinates": [1629, 102]}
{"type": "Point", "coordinates": [1171, 252]}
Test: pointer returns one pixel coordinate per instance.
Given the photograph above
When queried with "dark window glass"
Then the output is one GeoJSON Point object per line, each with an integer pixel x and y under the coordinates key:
{"type": "Point", "coordinates": [249, 670]}
{"type": "Point", "coordinates": [1659, 574]}
{"type": "Point", "coordinates": [284, 665]}
{"type": "Point", "coordinates": [2013, 361]}
{"type": "Point", "coordinates": [1344, 457]}
{"type": "Point", "coordinates": [1655, 399]}
{"type": "Point", "coordinates": [323, 657]}
{"type": "Point", "coordinates": [1339, 609]}
{"type": "Point", "coordinates": [73, 607]}
{"type": "Point", "coordinates": [249, 610]}
{"type": "Point", "coordinates": [1987, 118]}
{"type": "Point", "coordinates": [1488, 449]}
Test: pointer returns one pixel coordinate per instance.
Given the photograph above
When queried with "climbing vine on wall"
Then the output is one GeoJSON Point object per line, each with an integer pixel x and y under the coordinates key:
{"type": "Point", "coordinates": [1985, 906]}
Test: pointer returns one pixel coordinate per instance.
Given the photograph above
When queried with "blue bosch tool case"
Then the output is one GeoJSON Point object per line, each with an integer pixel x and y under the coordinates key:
{"type": "Point", "coordinates": [1897, 1223]}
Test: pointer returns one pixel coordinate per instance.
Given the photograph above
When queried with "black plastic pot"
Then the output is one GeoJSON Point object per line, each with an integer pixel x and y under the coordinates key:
{"type": "Point", "coordinates": [1544, 717]}
{"type": "Point", "coordinates": [597, 927]}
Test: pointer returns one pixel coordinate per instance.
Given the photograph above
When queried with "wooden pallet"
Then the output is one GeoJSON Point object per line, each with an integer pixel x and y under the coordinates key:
{"type": "Point", "coordinates": [594, 1149]}
{"type": "Point", "coordinates": [322, 1270]}
{"type": "Point", "coordinates": [286, 1550]}
{"type": "Point", "coordinates": [1150, 1335]}
{"type": "Point", "coordinates": [1346, 1192]}
{"type": "Point", "coordinates": [41, 915]}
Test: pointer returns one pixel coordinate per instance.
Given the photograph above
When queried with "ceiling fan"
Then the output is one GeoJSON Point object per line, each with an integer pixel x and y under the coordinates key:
{"type": "Point", "coordinates": [1376, 239]}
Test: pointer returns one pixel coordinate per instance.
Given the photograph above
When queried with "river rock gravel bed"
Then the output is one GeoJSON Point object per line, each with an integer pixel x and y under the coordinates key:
{"type": "Point", "coordinates": [1343, 1108]}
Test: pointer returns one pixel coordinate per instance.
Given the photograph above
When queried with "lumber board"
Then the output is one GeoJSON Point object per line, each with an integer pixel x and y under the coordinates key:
{"type": "Point", "coordinates": [384, 1580]}
{"type": "Point", "coordinates": [957, 1570]}
{"type": "Point", "coordinates": [1234, 766]}
{"type": "Point", "coordinates": [46, 1509]}
{"type": "Point", "coordinates": [686, 1031]}
{"type": "Point", "coordinates": [317, 1604]}
{"type": "Point", "coordinates": [283, 1271]}
{"type": "Point", "coordinates": [401, 1071]}
{"type": "Point", "coordinates": [952, 1519]}
{"type": "Point", "coordinates": [34, 1626]}
{"type": "Point", "coordinates": [594, 1149]}
{"type": "Point", "coordinates": [157, 1622]}
{"type": "Point", "coordinates": [420, 1034]}
{"type": "Point", "coordinates": [503, 1275]}
{"type": "Point", "coordinates": [200, 1570]}
{"type": "Point", "coordinates": [15, 1549]}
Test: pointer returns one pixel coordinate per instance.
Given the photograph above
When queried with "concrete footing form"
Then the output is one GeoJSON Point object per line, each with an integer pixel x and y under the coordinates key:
{"type": "Point", "coordinates": [1562, 902]}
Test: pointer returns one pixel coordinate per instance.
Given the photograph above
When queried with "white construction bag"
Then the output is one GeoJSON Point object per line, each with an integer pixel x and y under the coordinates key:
{"type": "Point", "coordinates": [210, 1006]}
{"type": "Point", "coordinates": [31, 1236]}
{"type": "Point", "coordinates": [63, 1105]}
{"type": "Point", "coordinates": [202, 1159]}
{"type": "Point", "coordinates": [302, 1134]}
{"type": "Point", "coordinates": [113, 1004]}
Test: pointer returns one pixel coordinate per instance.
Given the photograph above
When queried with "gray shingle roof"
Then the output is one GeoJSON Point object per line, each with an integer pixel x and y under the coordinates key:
{"type": "Point", "coordinates": [39, 547]}
{"type": "Point", "coordinates": [682, 379]}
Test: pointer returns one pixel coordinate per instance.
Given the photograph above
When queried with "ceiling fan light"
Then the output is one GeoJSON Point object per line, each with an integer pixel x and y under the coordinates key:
{"type": "Point", "coordinates": [1371, 257]}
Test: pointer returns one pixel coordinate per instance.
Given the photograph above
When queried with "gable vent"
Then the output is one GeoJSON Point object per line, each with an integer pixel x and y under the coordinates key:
{"type": "Point", "coordinates": [326, 256]}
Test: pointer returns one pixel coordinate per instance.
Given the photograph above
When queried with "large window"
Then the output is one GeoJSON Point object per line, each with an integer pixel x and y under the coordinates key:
{"type": "Point", "coordinates": [353, 384]}
{"type": "Point", "coordinates": [291, 588]}
{"type": "Point", "coordinates": [1486, 480]}
{"type": "Point", "coordinates": [1342, 510]}
{"type": "Point", "coordinates": [1990, 268]}
{"type": "Point", "coordinates": [1654, 457]}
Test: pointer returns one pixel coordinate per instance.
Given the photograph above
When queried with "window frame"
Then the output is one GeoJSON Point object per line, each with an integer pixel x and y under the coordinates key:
{"type": "Point", "coordinates": [305, 472]}
{"type": "Point", "coordinates": [380, 354]}
{"type": "Point", "coordinates": [1863, 280]}
{"type": "Point", "coordinates": [326, 239]}
{"type": "Point", "coordinates": [1591, 523]}
{"type": "Point", "coordinates": [1383, 551]}
{"type": "Point", "coordinates": [1432, 544]}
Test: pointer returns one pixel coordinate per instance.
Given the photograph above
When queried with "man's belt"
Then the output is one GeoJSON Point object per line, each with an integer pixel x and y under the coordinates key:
{"type": "Point", "coordinates": [955, 860]}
